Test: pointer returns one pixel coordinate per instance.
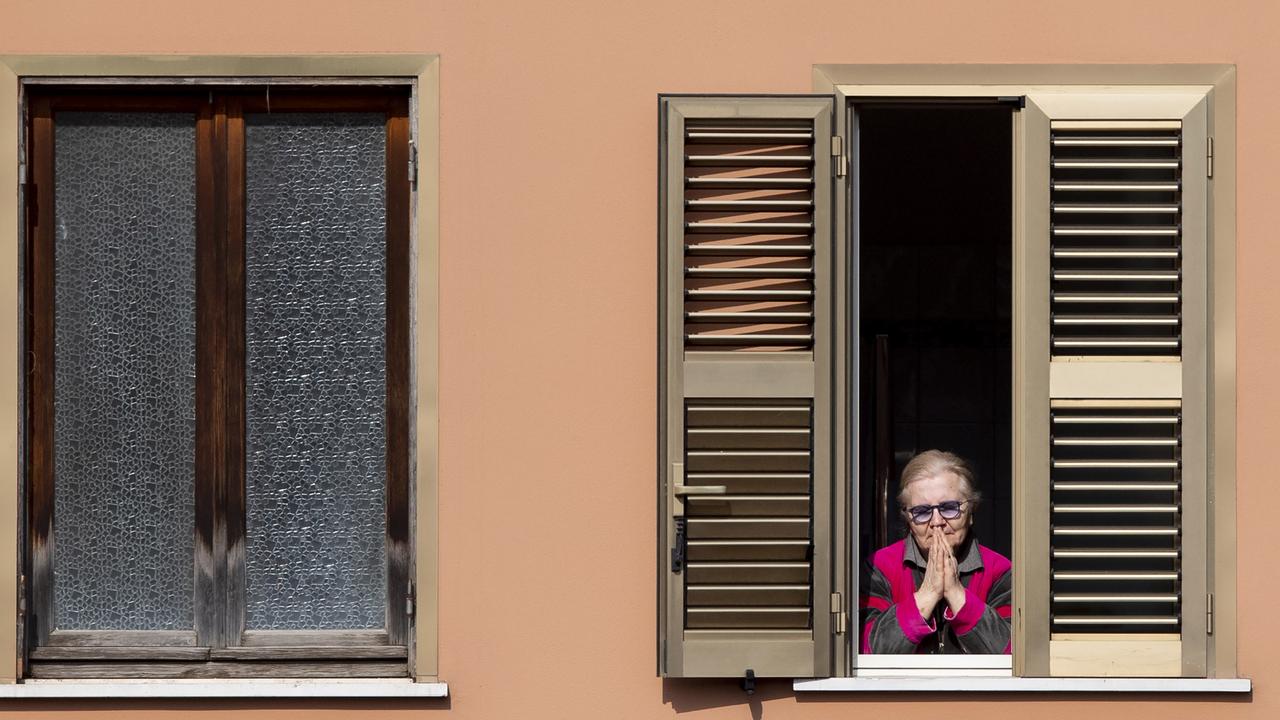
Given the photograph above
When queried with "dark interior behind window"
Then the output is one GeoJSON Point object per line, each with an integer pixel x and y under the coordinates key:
{"type": "Point", "coordinates": [935, 288]}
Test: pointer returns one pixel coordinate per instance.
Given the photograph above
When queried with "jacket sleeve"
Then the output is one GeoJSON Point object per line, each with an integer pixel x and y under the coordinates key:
{"type": "Point", "coordinates": [888, 627]}
{"type": "Point", "coordinates": [984, 627]}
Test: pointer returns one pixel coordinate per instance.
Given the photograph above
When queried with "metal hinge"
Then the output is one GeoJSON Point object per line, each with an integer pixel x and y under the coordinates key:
{"type": "Point", "coordinates": [838, 618]}
{"type": "Point", "coordinates": [22, 596]}
{"type": "Point", "coordinates": [1209, 158]}
{"type": "Point", "coordinates": [413, 164]}
{"type": "Point", "coordinates": [1208, 618]}
{"type": "Point", "coordinates": [28, 193]}
{"type": "Point", "coordinates": [837, 152]}
{"type": "Point", "coordinates": [408, 601]}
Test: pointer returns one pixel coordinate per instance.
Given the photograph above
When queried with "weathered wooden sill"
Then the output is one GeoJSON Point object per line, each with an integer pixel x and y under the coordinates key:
{"type": "Point", "coordinates": [263, 688]}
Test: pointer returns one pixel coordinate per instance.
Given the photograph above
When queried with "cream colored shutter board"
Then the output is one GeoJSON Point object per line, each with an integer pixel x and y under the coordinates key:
{"type": "Point", "coordinates": [1127, 242]}
{"type": "Point", "coordinates": [746, 247]}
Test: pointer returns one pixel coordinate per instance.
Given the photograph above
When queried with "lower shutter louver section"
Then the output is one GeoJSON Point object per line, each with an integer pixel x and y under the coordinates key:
{"type": "Point", "coordinates": [1116, 537]}
{"type": "Point", "coordinates": [749, 549]}
{"type": "Point", "coordinates": [1116, 519]}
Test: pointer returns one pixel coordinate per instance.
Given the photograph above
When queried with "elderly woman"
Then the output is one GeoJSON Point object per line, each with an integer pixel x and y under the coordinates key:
{"type": "Point", "coordinates": [937, 590]}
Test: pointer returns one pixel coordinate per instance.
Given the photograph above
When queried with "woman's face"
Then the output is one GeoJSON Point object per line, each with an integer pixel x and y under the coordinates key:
{"type": "Point", "coordinates": [934, 490]}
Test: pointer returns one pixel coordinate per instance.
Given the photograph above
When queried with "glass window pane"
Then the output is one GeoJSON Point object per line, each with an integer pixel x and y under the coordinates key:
{"type": "Point", "coordinates": [124, 388]}
{"type": "Point", "coordinates": [315, 317]}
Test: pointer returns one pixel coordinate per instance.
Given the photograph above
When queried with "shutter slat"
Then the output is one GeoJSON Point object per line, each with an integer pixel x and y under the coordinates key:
{"type": "Point", "coordinates": [758, 249]}
{"type": "Point", "coordinates": [748, 572]}
{"type": "Point", "coordinates": [1115, 576]}
{"type": "Point", "coordinates": [1112, 620]}
{"type": "Point", "coordinates": [1105, 186]}
{"type": "Point", "coordinates": [1114, 531]}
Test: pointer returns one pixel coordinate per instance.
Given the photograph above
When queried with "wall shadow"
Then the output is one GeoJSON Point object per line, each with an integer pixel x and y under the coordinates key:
{"type": "Point", "coordinates": [692, 695]}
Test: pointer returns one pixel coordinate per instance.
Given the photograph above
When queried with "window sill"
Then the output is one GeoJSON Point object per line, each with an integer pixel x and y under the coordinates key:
{"type": "Point", "coordinates": [266, 688]}
{"type": "Point", "coordinates": [1017, 684]}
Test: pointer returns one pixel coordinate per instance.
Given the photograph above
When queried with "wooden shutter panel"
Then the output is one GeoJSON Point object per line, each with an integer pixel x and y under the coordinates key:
{"type": "Point", "coordinates": [1125, 417]}
{"type": "Point", "coordinates": [745, 189]}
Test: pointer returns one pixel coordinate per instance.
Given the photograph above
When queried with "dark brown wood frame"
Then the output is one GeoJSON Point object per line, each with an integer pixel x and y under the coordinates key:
{"type": "Point", "coordinates": [220, 645]}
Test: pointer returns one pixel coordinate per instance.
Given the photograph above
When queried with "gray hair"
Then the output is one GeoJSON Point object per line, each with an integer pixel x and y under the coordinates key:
{"type": "Point", "coordinates": [932, 463]}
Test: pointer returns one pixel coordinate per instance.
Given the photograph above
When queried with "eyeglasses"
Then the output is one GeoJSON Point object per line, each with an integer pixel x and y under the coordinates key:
{"type": "Point", "coordinates": [949, 510]}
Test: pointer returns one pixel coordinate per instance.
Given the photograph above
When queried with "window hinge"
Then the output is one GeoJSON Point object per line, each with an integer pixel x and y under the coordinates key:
{"type": "Point", "coordinates": [837, 152]}
{"type": "Point", "coordinates": [1209, 158]}
{"type": "Point", "coordinates": [408, 600]}
{"type": "Point", "coordinates": [681, 545]}
{"type": "Point", "coordinates": [838, 618]}
{"type": "Point", "coordinates": [413, 164]}
{"type": "Point", "coordinates": [1208, 615]}
{"type": "Point", "coordinates": [22, 597]}
{"type": "Point", "coordinates": [28, 193]}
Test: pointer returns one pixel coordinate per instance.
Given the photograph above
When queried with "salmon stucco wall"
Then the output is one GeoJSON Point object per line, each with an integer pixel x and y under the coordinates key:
{"type": "Point", "coordinates": [548, 305]}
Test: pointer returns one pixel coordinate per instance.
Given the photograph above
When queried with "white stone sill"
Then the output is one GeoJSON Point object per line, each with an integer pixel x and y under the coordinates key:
{"type": "Point", "coordinates": [1018, 684]}
{"type": "Point", "coordinates": [264, 688]}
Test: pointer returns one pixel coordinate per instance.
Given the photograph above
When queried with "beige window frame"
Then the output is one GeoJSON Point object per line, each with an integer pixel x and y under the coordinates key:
{"type": "Point", "coordinates": [423, 72]}
{"type": "Point", "coordinates": [1203, 98]}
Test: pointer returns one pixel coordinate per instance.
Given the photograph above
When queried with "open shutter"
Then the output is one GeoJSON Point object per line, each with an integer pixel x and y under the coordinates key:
{"type": "Point", "coordinates": [745, 188]}
{"type": "Point", "coordinates": [1125, 418]}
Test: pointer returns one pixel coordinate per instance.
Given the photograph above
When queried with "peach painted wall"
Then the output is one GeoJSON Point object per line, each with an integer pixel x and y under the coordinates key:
{"type": "Point", "coordinates": [547, 603]}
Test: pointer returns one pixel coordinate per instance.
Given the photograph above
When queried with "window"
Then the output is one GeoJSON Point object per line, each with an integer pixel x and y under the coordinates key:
{"type": "Point", "coordinates": [770, 274]}
{"type": "Point", "coordinates": [219, 390]}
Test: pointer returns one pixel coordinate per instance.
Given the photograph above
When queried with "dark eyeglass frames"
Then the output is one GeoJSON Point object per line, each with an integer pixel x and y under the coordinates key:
{"type": "Point", "coordinates": [949, 510]}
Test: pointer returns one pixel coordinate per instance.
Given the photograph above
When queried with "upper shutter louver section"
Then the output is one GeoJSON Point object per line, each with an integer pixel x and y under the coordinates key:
{"type": "Point", "coordinates": [748, 221]}
{"type": "Point", "coordinates": [1116, 256]}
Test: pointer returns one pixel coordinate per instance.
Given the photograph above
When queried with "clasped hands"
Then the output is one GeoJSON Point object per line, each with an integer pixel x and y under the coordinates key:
{"type": "Point", "coordinates": [941, 578]}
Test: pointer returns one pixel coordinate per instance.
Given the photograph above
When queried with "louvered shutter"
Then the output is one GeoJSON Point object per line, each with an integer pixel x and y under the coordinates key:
{"type": "Point", "coordinates": [745, 335]}
{"type": "Point", "coordinates": [1126, 413]}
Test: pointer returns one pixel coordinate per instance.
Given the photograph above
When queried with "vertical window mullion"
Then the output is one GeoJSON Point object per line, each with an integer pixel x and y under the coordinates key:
{"type": "Point", "coordinates": [210, 369]}
{"type": "Point", "coordinates": [233, 496]}
{"type": "Point", "coordinates": [397, 382]}
{"type": "Point", "coordinates": [40, 313]}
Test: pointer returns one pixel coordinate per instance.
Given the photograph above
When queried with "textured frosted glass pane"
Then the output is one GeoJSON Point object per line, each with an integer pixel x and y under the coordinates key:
{"type": "Point", "coordinates": [124, 388]}
{"type": "Point", "coordinates": [316, 371]}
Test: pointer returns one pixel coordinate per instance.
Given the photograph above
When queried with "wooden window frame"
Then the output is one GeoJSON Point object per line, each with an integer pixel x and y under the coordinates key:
{"type": "Point", "coordinates": [422, 72]}
{"type": "Point", "coordinates": [219, 645]}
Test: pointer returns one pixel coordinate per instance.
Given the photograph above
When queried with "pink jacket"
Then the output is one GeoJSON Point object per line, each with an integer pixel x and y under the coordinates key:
{"type": "Point", "coordinates": [891, 622]}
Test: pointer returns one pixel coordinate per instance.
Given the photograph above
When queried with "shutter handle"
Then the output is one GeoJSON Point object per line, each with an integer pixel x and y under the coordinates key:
{"type": "Point", "coordinates": [700, 490]}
